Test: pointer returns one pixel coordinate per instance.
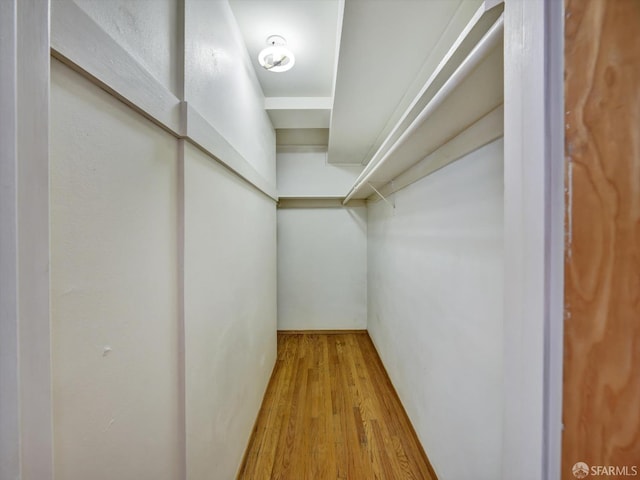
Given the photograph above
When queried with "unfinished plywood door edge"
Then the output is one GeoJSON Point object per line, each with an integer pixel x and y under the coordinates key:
{"type": "Point", "coordinates": [203, 135]}
{"type": "Point", "coordinates": [484, 131]}
{"type": "Point", "coordinates": [317, 202]}
{"type": "Point", "coordinates": [83, 45]}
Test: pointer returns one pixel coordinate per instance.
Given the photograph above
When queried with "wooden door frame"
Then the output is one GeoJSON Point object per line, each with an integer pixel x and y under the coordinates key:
{"type": "Point", "coordinates": [534, 239]}
{"type": "Point", "coordinates": [26, 431]}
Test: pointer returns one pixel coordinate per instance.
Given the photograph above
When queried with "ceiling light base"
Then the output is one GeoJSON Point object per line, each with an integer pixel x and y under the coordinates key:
{"type": "Point", "coordinates": [276, 40]}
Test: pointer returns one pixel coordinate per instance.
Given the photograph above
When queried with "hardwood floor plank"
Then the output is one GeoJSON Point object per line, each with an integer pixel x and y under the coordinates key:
{"type": "Point", "coordinates": [330, 412]}
{"type": "Point", "coordinates": [327, 448]}
{"type": "Point", "coordinates": [275, 421]}
{"type": "Point", "coordinates": [288, 408]}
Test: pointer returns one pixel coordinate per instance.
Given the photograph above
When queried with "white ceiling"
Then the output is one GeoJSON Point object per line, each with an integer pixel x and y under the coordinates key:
{"type": "Point", "coordinates": [311, 30]}
{"type": "Point", "coordinates": [378, 53]}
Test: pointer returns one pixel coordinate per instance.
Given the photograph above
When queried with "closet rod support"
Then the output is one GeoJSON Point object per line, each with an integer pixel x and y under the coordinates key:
{"type": "Point", "coordinates": [392, 205]}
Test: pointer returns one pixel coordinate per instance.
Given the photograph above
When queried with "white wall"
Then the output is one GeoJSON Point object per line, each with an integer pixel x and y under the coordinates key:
{"type": "Point", "coordinates": [435, 285]}
{"type": "Point", "coordinates": [148, 29]}
{"type": "Point", "coordinates": [303, 172]}
{"type": "Point", "coordinates": [230, 312]}
{"type": "Point", "coordinates": [230, 248]}
{"type": "Point", "coordinates": [114, 279]}
{"type": "Point", "coordinates": [159, 372]}
{"type": "Point", "coordinates": [322, 252]}
{"type": "Point", "coordinates": [221, 84]}
{"type": "Point", "coordinates": [322, 268]}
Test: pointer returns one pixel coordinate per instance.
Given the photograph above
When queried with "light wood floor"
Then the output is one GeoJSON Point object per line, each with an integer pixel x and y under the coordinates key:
{"type": "Point", "coordinates": [331, 412]}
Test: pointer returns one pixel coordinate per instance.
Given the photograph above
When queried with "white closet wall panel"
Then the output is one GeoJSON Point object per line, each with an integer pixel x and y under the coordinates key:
{"type": "Point", "coordinates": [230, 312]}
{"type": "Point", "coordinates": [221, 85]}
{"type": "Point", "coordinates": [322, 268]}
{"type": "Point", "coordinates": [114, 260]}
{"type": "Point", "coordinates": [308, 174]}
{"type": "Point", "coordinates": [435, 285]}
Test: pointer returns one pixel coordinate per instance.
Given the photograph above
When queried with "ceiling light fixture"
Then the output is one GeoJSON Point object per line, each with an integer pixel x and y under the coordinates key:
{"type": "Point", "coordinates": [276, 57]}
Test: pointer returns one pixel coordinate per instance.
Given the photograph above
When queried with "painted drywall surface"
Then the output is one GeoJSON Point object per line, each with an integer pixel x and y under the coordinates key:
{"type": "Point", "coordinates": [322, 268]}
{"type": "Point", "coordinates": [221, 85]}
{"type": "Point", "coordinates": [147, 29]}
{"type": "Point", "coordinates": [114, 277]}
{"type": "Point", "coordinates": [435, 285]}
{"type": "Point", "coordinates": [230, 313]}
{"type": "Point", "coordinates": [303, 173]}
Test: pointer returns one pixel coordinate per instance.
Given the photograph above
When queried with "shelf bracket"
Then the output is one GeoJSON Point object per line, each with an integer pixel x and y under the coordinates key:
{"type": "Point", "coordinates": [392, 205]}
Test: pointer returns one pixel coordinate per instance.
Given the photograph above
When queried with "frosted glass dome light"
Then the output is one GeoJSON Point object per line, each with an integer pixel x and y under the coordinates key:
{"type": "Point", "coordinates": [276, 57]}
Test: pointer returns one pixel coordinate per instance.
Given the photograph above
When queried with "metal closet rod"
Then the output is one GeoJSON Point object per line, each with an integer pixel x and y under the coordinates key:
{"type": "Point", "coordinates": [479, 52]}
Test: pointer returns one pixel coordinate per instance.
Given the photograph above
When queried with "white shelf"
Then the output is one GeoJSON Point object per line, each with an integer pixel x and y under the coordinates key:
{"type": "Point", "coordinates": [465, 87]}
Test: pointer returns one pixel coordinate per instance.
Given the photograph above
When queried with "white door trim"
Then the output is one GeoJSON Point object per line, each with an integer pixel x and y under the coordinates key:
{"type": "Point", "coordinates": [26, 432]}
{"type": "Point", "coordinates": [534, 239]}
{"type": "Point", "coordinates": [555, 212]}
{"type": "Point", "coordinates": [9, 398]}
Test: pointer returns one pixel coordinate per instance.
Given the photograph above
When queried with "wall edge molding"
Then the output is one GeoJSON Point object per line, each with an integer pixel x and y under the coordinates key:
{"type": "Point", "coordinates": [318, 202]}
{"type": "Point", "coordinates": [84, 46]}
